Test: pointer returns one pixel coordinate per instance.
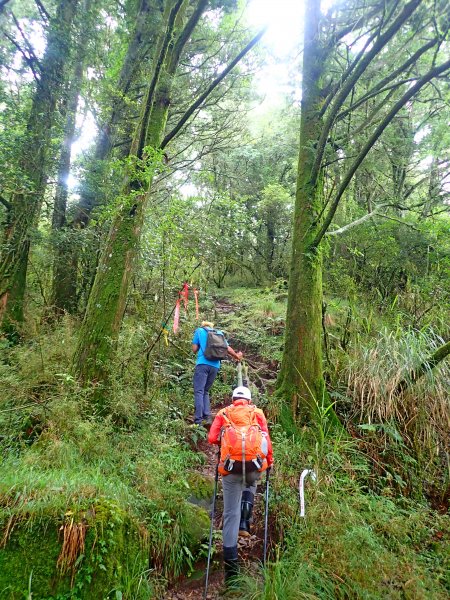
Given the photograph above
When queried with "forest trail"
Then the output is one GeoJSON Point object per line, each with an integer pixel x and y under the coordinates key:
{"type": "Point", "coordinates": [251, 548]}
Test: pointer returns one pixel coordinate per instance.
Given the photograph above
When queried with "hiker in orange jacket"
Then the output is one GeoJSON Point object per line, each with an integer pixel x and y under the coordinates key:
{"type": "Point", "coordinates": [239, 479]}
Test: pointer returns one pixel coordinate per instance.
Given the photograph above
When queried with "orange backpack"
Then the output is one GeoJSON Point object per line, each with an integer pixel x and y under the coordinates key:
{"type": "Point", "coordinates": [243, 444]}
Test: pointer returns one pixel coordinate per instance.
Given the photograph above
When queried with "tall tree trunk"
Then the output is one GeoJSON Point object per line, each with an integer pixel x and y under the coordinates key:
{"type": "Point", "coordinates": [301, 379]}
{"type": "Point", "coordinates": [62, 283]}
{"type": "Point", "coordinates": [137, 52]}
{"type": "Point", "coordinates": [101, 325]}
{"type": "Point", "coordinates": [33, 159]}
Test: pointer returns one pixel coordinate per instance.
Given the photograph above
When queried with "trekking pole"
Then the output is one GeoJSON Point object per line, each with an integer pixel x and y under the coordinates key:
{"type": "Point", "coordinates": [266, 517]}
{"type": "Point", "coordinates": [239, 374]}
{"type": "Point", "coordinates": [216, 479]}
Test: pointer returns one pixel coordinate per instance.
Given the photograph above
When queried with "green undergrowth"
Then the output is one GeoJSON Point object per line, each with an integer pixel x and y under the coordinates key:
{"type": "Point", "coordinates": [112, 506]}
{"type": "Point", "coordinates": [257, 323]}
{"type": "Point", "coordinates": [353, 543]}
{"type": "Point", "coordinates": [376, 522]}
{"type": "Point", "coordinates": [129, 477]}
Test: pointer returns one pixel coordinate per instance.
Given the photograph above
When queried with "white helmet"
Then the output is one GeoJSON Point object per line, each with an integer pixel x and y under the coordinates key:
{"type": "Point", "coordinates": [242, 392]}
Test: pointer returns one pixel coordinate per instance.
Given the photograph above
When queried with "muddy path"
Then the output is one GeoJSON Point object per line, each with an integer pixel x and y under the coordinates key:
{"type": "Point", "coordinates": [262, 373]}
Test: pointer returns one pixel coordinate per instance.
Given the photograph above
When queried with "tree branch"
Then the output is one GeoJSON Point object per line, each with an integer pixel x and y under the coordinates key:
{"type": "Point", "coordinates": [373, 113]}
{"type": "Point", "coordinates": [42, 10]}
{"type": "Point", "coordinates": [373, 213]}
{"type": "Point", "coordinates": [3, 3]}
{"type": "Point", "coordinates": [414, 375]}
{"type": "Point", "coordinates": [337, 36]}
{"type": "Point", "coordinates": [188, 29]}
{"type": "Point", "coordinates": [380, 86]}
{"type": "Point", "coordinates": [27, 59]}
{"type": "Point", "coordinates": [347, 72]}
{"type": "Point", "coordinates": [350, 82]}
{"type": "Point", "coordinates": [371, 141]}
{"type": "Point", "coordinates": [27, 43]}
{"type": "Point", "coordinates": [140, 142]}
{"type": "Point", "coordinates": [355, 223]}
{"type": "Point", "coordinates": [382, 215]}
{"type": "Point", "coordinates": [5, 203]}
{"type": "Point", "coordinates": [210, 88]}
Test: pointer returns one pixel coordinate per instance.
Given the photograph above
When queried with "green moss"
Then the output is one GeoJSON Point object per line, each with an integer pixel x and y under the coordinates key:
{"type": "Point", "coordinates": [114, 558]}
{"type": "Point", "coordinates": [201, 486]}
{"type": "Point", "coordinates": [197, 524]}
{"type": "Point", "coordinates": [29, 560]}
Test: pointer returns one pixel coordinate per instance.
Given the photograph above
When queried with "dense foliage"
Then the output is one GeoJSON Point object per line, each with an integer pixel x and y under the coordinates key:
{"type": "Point", "coordinates": [136, 155]}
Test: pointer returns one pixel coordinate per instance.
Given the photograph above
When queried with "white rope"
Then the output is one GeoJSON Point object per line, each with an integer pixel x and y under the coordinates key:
{"type": "Point", "coordinates": [301, 488]}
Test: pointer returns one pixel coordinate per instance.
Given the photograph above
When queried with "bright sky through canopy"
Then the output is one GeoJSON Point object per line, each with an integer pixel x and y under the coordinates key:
{"type": "Point", "coordinates": [284, 19]}
{"type": "Point", "coordinates": [283, 39]}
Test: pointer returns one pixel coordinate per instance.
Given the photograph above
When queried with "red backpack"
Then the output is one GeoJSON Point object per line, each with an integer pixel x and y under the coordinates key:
{"type": "Point", "coordinates": [244, 445]}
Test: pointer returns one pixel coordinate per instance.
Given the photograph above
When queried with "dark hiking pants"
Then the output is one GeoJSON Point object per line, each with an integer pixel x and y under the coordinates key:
{"type": "Point", "coordinates": [204, 376]}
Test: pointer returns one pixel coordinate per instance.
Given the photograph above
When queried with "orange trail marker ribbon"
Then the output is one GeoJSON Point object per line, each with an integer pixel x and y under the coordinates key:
{"type": "Point", "coordinates": [176, 318]}
{"type": "Point", "coordinates": [196, 303]}
{"type": "Point", "coordinates": [185, 295]}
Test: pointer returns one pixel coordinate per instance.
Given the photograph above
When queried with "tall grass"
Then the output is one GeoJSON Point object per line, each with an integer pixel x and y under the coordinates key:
{"type": "Point", "coordinates": [352, 544]}
{"type": "Point", "coordinates": [414, 426]}
{"type": "Point", "coordinates": [375, 369]}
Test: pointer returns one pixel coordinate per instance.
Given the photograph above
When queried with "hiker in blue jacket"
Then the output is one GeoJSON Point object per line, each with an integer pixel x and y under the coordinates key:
{"type": "Point", "coordinates": [206, 371]}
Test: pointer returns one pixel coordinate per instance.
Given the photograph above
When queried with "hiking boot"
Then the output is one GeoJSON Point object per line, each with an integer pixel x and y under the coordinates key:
{"type": "Point", "coordinates": [246, 514]}
{"type": "Point", "coordinates": [231, 566]}
{"type": "Point", "coordinates": [207, 422]}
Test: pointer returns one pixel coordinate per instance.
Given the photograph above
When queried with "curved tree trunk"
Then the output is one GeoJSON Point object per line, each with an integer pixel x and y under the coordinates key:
{"type": "Point", "coordinates": [101, 325]}
{"type": "Point", "coordinates": [67, 290]}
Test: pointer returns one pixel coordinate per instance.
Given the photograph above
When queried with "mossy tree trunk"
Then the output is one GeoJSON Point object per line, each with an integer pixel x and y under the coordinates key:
{"type": "Point", "coordinates": [24, 204]}
{"type": "Point", "coordinates": [106, 305]}
{"type": "Point", "coordinates": [301, 378]}
{"type": "Point", "coordinates": [67, 289]}
{"type": "Point", "coordinates": [62, 282]}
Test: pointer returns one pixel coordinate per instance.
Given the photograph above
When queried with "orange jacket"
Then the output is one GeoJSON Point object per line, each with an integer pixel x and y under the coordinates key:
{"type": "Point", "coordinates": [219, 422]}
